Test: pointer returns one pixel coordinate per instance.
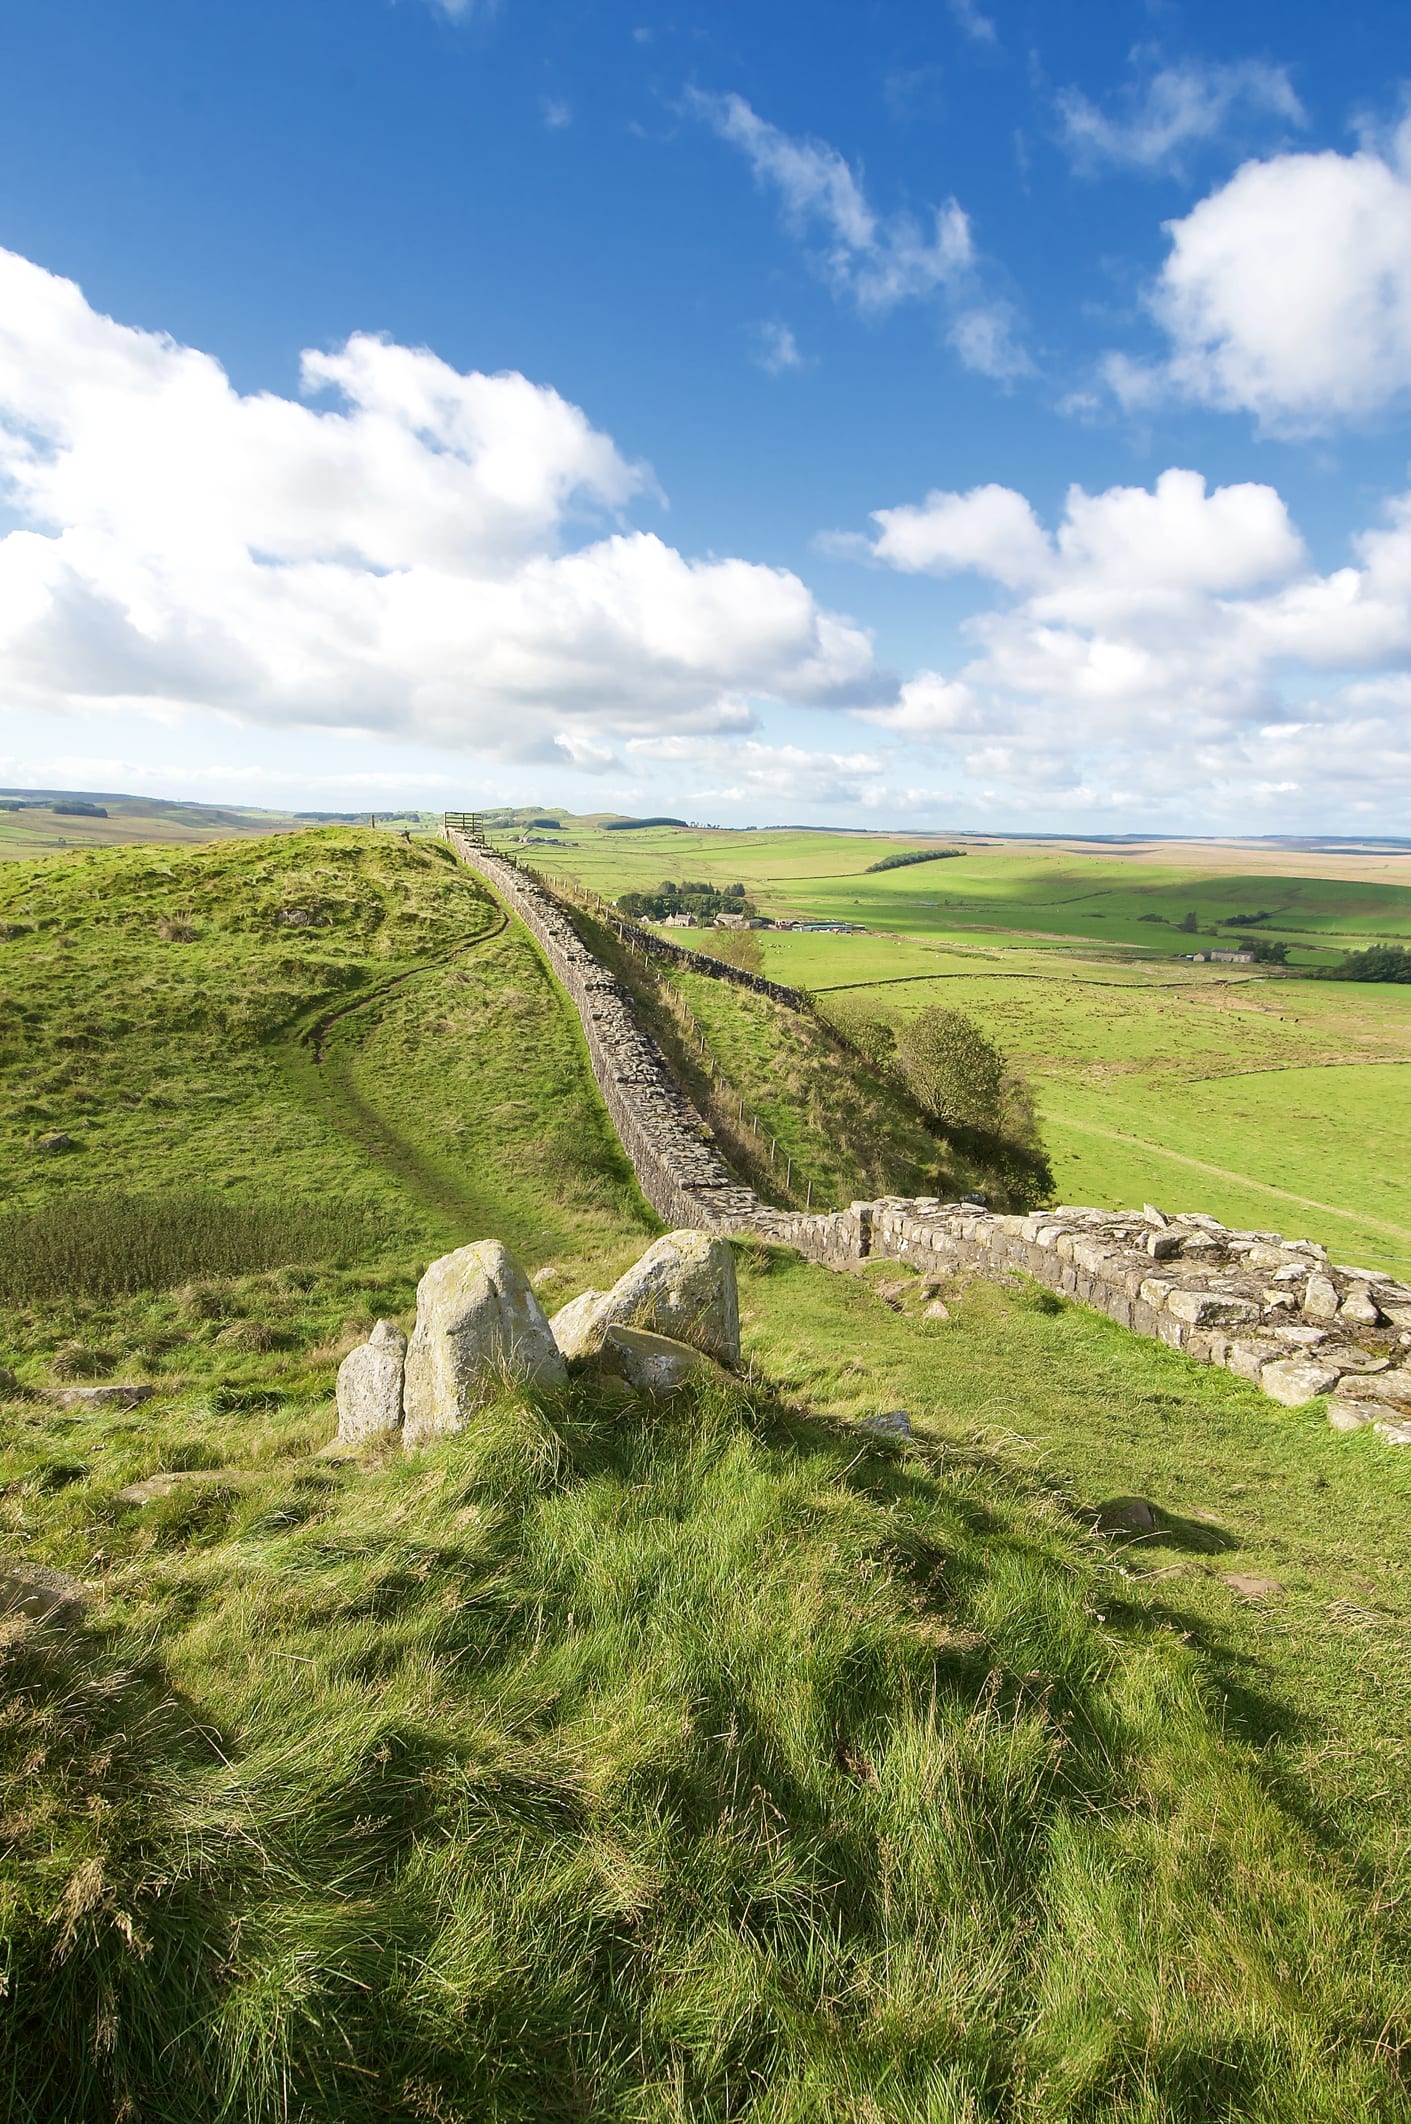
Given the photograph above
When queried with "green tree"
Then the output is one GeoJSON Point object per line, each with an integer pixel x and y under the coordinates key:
{"type": "Point", "coordinates": [954, 1073]}
{"type": "Point", "coordinates": [873, 1038]}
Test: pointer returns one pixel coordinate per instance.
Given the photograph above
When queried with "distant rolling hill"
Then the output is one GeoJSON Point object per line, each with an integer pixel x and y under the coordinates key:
{"type": "Point", "coordinates": [35, 821]}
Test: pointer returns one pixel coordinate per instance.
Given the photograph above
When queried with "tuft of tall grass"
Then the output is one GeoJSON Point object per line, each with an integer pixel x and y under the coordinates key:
{"type": "Point", "coordinates": [105, 1245]}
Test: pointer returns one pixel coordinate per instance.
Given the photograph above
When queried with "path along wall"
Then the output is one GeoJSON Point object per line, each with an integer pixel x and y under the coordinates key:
{"type": "Point", "coordinates": [1274, 1311]}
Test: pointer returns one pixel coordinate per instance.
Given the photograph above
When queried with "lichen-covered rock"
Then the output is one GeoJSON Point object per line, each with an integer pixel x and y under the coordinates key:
{"type": "Point", "coordinates": [1295, 1380]}
{"type": "Point", "coordinates": [683, 1286]}
{"type": "Point", "coordinates": [654, 1364]}
{"type": "Point", "coordinates": [575, 1327]}
{"type": "Point", "coordinates": [370, 1386]}
{"type": "Point", "coordinates": [1320, 1299]}
{"type": "Point", "coordinates": [478, 1324]}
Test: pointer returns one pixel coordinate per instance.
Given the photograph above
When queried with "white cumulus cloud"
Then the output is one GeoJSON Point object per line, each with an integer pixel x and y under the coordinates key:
{"type": "Point", "coordinates": [1287, 293]}
{"type": "Point", "coordinates": [1169, 649]}
{"type": "Point", "coordinates": [411, 551]}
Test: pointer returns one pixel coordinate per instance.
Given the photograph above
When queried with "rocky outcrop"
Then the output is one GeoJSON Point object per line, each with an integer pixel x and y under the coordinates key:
{"type": "Point", "coordinates": [478, 1326]}
{"type": "Point", "coordinates": [683, 1287]}
{"type": "Point", "coordinates": [370, 1387]}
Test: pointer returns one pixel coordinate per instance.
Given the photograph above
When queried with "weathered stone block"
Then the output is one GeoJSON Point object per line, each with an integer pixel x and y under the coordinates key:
{"type": "Point", "coordinates": [478, 1324]}
{"type": "Point", "coordinates": [654, 1364]}
{"type": "Point", "coordinates": [1296, 1380]}
{"type": "Point", "coordinates": [1320, 1299]}
{"type": "Point", "coordinates": [1247, 1359]}
{"type": "Point", "coordinates": [683, 1286]}
{"type": "Point", "coordinates": [370, 1386]}
{"type": "Point", "coordinates": [1210, 1309]}
{"type": "Point", "coordinates": [574, 1327]}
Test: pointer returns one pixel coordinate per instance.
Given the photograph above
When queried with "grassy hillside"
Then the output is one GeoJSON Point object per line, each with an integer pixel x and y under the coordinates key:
{"type": "Point", "coordinates": [715, 1762]}
{"type": "Point", "coordinates": [795, 1112]}
{"type": "Point", "coordinates": [471, 1785]}
{"type": "Point", "coordinates": [332, 1043]}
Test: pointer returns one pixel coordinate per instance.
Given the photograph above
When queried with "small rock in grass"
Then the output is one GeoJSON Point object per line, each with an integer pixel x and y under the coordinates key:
{"type": "Point", "coordinates": [44, 1595]}
{"type": "Point", "coordinates": [936, 1310]}
{"type": "Point", "coordinates": [1296, 1380]}
{"type": "Point", "coordinates": [654, 1364]}
{"type": "Point", "coordinates": [96, 1397]}
{"type": "Point", "coordinates": [892, 1293]}
{"type": "Point", "coordinates": [370, 1386]}
{"type": "Point", "coordinates": [1251, 1586]}
{"type": "Point", "coordinates": [1126, 1515]}
{"type": "Point", "coordinates": [1346, 1415]}
{"type": "Point", "coordinates": [171, 1480]}
{"type": "Point", "coordinates": [55, 1141]}
{"type": "Point", "coordinates": [888, 1423]}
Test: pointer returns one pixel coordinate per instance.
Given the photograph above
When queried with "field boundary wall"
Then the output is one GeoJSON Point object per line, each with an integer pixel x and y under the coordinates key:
{"type": "Point", "coordinates": [1274, 1311]}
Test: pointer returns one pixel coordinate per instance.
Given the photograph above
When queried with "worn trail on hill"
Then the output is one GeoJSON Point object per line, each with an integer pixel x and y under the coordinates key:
{"type": "Point", "coordinates": [325, 1069]}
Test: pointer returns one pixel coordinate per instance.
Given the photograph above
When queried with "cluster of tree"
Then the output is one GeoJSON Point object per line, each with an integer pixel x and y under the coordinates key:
{"type": "Point", "coordinates": [912, 855]}
{"type": "Point", "coordinates": [1381, 962]}
{"type": "Point", "coordinates": [77, 808]}
{"type": "Point", "coordinates": [965, 1088]}
{"type": "Point", "coordinates": [632, 825]}
{"type": "Point", "coordinates": [697, 897]}
{"type": "Point", "coordinates": [1268, 951]}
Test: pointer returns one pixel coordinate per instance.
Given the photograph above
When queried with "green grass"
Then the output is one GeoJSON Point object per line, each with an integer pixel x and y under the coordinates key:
{"type": "Point", "coordinates": [36, 829]}
{"type": "Point", "coordinates": [1048, 1393]}
{"type": "Point", "coordinates": [356, 1095]}
{"type": "Point", "coordinates": [467, 1785]}
{"type": "Point", "coordinates": [109, 1245]}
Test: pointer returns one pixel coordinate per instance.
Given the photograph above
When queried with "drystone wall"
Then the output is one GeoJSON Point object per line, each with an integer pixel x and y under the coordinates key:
{"type": "Point", "coordinates": [1274, 1311]}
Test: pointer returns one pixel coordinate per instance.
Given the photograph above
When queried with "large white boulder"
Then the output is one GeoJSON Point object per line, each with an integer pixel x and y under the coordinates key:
{"type": "Point", "coordinates": [478, 1324]}
{"type": "Point", "coordinates": [683, 1286]}
{"type": "Point", "coordinates": [370, 1386]}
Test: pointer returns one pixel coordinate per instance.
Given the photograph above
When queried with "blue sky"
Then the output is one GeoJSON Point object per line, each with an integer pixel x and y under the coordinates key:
{"type": "Point", "coordinates": [961, 414]}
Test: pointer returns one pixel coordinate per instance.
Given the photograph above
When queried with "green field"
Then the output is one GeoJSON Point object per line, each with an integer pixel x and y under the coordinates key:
{"type": "Point", "coordinates": [712, 1761]}
{"type": "Point", "coordinates": [1276, 1102]}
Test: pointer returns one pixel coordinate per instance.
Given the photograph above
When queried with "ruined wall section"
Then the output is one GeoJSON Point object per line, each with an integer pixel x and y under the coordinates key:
{"type": "Point", "coordinates": [1274, 1311]}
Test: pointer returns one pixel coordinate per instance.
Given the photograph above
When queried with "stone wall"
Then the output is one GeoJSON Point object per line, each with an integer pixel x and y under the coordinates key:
{"type": "Point", "coordinates": [1274, 1311]}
